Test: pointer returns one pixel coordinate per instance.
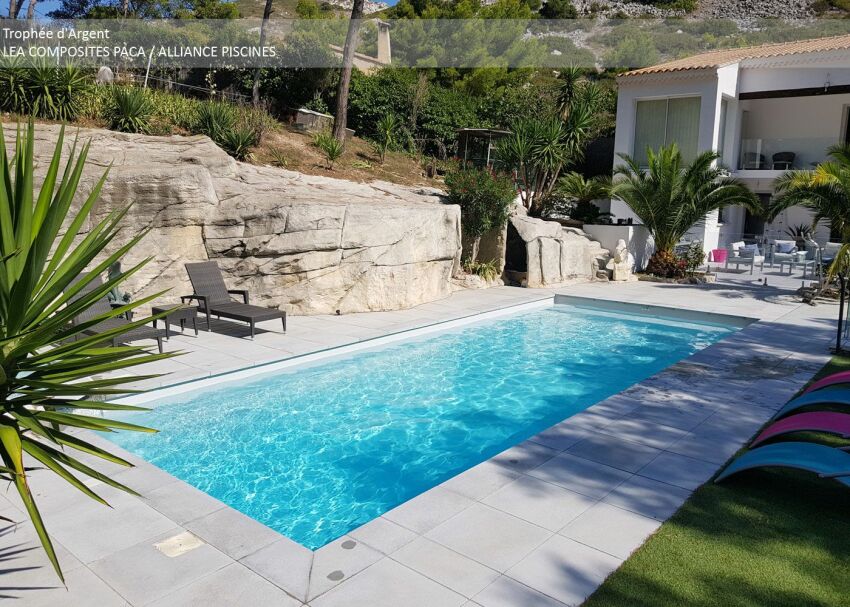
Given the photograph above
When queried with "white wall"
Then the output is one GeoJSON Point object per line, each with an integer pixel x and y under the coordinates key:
{"type": "Point", "coordinates": [702, 84]}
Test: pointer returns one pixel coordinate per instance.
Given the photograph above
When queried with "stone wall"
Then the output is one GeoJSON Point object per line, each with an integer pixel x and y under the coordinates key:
{"type": "Point", "coordinates": [305, 243]}
{"type": "Point", "coordinates": [553, 254]}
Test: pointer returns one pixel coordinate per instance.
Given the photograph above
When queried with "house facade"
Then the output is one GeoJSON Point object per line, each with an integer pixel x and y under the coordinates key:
{"type": "Point", "coordinates": [764, 109]}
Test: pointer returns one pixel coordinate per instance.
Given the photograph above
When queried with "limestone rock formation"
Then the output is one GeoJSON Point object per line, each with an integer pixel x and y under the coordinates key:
{"type": "Point", "coordinates": [544, 253]}
{"type": "Point", "coordinates": [308, 244]}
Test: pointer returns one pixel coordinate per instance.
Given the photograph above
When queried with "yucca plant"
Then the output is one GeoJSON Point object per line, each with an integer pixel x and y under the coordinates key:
{"type": "Point", "coordinates": [385, 136]}
{"type": "Point", "coordinates": [215, 118]}
{"type": "Point", "coordinates": [238, 142]}
{"type": "Point", "coordinates": [131, 110]}
{"type": "Point", "coordinates": [331, 147]}
{"type": "Point", "coordinates": [47, 363]}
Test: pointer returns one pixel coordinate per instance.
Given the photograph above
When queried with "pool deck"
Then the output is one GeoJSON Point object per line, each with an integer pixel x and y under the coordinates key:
{"type": "Point", "coordinates": [540, 525]}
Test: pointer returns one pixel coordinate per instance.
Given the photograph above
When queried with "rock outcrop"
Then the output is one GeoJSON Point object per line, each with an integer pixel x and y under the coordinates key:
{"type": "Point", "coordinates": [545, 253]}
{"type": "Point", "coordinates": [304, 243]}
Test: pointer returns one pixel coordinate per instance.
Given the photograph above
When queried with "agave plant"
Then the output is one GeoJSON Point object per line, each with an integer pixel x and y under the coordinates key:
{"type": "Point", "coordinates": [215, 118]}
{"type": "Point", "coordinates": [48, 362]}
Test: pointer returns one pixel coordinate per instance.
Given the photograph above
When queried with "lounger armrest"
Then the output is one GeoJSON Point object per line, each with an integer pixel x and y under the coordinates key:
{"type": "Point", "coordinates": [241, 292]}
{"type": "Point", "coordinates": [202, 299]}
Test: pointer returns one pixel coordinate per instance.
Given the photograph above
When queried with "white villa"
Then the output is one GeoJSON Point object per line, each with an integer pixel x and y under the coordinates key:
{"type": "Point", "coordinates": [764, 109]}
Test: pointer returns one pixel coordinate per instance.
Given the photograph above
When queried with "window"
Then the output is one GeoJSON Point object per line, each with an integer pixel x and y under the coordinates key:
{"type": "Point", "coordinates": [664, 121]}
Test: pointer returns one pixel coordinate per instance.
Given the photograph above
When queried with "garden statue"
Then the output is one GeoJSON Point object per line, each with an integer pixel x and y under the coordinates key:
{"type": "Point", "coordinates": [104, 76]}
{"type": "Point", "coordinates": [621, 263]}
{"type": "Point", "coordinates": [114, 295]}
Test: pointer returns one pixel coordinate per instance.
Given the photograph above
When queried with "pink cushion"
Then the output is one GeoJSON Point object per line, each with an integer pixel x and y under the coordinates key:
{"type": "Point", "coordinates": [817, 421]}
{"type": "Point", "coordinates": [842, 377]}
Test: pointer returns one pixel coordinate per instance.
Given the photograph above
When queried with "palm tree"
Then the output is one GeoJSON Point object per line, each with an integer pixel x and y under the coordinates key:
{"type": "Point", "coordinates": [670, 197]}
{"type": "Point", "coordinates": [579, 193]}
{"type": "Point", "coordinates": [826, 191]}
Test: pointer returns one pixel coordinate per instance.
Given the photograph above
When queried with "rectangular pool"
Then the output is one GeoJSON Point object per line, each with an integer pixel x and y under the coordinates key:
{"type": "Point", "coordinates": [315, 451]}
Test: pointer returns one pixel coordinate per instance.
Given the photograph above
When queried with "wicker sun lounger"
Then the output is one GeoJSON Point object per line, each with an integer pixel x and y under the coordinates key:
{"type": "Point", "coordinates": [214, 298]}
{"type": "Point", "coordinates": [102, 306]}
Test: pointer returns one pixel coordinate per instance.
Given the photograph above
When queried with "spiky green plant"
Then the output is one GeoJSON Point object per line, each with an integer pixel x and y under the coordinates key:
{"type": "Point", "coordinates": [215, 118]}
{"type": "Point", "coordinates": [672, 196]}
{"type": "Point", "coordinates": [131, 110]}
{"type": "Point", "coordinates": [826, 191]}
{"type": "Point", "coordinates": [331, 147]}
{"type": "Point", "coordinates": [238, 142]}
{"type": "Point", "coordinates": [47, 362]}
{"type": "Point", "coordinates": [385, 135]}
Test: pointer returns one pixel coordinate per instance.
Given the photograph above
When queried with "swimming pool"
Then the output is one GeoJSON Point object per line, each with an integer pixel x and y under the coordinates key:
{"type": "Point", "coordinates": [315, 451]}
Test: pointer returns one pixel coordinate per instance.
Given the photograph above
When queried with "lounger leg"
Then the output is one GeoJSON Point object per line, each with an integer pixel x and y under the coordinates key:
{"type": "Point", "coordinates": [167, 329]}
{"type": "Point", "coordinates": [284, 322]}
{"type": "Point", "coordinates": [252, 329]}
{"type": "Point", "coordinates": [208, 320]}
{"type": "Point", "coordinates": [159, 344]}
{"type": "Point", "coordinates": [195, 324]}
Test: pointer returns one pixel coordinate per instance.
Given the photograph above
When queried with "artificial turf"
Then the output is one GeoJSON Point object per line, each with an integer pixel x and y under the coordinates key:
{"type": "Point", "coordinates": [762, 538]}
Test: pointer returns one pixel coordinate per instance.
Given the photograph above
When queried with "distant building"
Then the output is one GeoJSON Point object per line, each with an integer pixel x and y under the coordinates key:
{"type": "Point", "coordinates": [368, 64]}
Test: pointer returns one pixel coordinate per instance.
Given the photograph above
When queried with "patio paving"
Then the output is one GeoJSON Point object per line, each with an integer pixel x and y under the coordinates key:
{"type": "Point", "coordinates": [540, 525]}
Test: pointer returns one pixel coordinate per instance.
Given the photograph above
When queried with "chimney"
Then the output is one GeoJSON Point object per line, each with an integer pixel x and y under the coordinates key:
{"type": "Point", "coordinates": [384, 54]}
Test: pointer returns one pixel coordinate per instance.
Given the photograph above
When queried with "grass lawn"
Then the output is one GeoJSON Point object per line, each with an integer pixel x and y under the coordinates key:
{"type": "Point", "coordinates": [762, 538]}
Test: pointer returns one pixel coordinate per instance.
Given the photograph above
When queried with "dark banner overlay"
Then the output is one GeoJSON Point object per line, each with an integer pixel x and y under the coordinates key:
{"type": "Point", "coordinates": [418, 43]}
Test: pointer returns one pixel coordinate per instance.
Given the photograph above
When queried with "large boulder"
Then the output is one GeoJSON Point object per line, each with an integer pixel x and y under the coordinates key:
{"type": "Point", "coordinates": [545, 253]}
{"type": "Point", "coordinates": [308, 244]}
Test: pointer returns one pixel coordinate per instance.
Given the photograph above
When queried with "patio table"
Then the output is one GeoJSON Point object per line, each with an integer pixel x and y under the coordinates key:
{"type": "Point", "coordinates": [178, 316]}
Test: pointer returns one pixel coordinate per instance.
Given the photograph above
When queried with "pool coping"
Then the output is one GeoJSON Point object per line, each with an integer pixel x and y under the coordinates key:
{"type": "Point", "coordinates": [387, 553]}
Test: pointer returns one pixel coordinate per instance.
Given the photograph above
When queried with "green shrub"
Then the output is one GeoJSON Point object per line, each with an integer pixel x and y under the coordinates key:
{"type": "Point", "coordinates": [330, 147]}
{"type": "Point", "coordinates": [485, 201]}
{"type": "Point", "coordinates": [488, 270]}
{"type": "Point", "coordinates": [130, 111]}
{"type": "Point", "coordinates": [215, 118]}
{"type": "Point", "coordinates": [43, 91]}
{"type": "Point", "coordinates": [238, 142]}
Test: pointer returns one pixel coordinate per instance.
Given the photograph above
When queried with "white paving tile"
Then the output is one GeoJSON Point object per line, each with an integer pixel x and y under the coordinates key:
{"type": "Point", "coordinates": [390, 584]}
{"type": "Point", "coordinates": [648, 497]}
{"type": "Point", "coordinates": [539, 502]}
{"type": "Point", "coordinates": [455, 571]}
{"type": "Point", "coordinates": [615, 452]}
{"type": "Point", "coordinates": [564, 569]}
{"type": "Point", "coordinates": [337, 562]}
{"type": "Point", "coordinates": [480, 481]}
{"type": "Point", "coordinates": [491, 537]}
{"type": "Point", "coordinates": [383, 535]}
{"type": "Point", "coordinates": [674, 469]}
{"type": "Point", "coordinates": [507, 592]}
{"type": "Point", "coordinates": [426, 511]}
{"type": "Point", "coordinates": [610, 529]}
{"type": "Point", "coordinates": [580, 475]}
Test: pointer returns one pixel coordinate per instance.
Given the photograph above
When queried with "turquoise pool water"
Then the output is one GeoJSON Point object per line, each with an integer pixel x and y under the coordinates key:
{"type": "Point", "coordinates": [316, 451]}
